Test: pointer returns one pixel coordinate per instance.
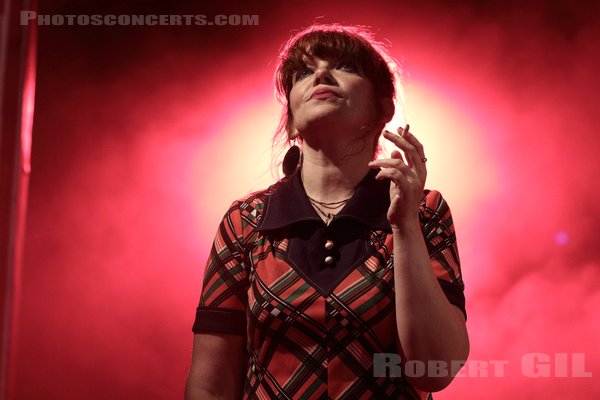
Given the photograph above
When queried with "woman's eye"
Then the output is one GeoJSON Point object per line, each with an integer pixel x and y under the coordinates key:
{"type": "Point", "coordinates": [346, 66]}
{"type": "Point", "coordinates": [302, 73]}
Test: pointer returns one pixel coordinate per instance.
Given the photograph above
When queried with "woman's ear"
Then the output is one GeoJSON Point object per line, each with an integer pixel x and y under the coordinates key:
{"type": "Point", "coordinates": [387, 110]}
{"type": "Point", "coordinates": [291, 130]}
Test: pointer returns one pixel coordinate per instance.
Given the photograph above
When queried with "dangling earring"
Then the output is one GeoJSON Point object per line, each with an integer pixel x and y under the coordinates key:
{"type": "Point", "coordinates": [292, 159]}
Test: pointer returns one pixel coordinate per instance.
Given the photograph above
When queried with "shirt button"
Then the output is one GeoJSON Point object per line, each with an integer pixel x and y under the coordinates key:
{"type": "Point", "coordinates": [329, 245]}
{"type": "Point", "coordinates": [329, 260]}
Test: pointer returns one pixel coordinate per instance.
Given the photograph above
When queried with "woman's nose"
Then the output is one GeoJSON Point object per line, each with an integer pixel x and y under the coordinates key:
{"type": "Point", "coordinates": [323, 76]}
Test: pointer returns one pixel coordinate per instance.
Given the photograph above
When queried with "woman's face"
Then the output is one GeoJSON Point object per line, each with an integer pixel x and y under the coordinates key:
{"type": "Point", "coordinates": [327, 94]}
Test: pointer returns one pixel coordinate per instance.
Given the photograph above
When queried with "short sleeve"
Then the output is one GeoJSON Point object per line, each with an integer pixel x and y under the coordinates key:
{"type": "Point", "coordinates": [438, 229]}
{"type": "Point", "coordinates": [223, 301]}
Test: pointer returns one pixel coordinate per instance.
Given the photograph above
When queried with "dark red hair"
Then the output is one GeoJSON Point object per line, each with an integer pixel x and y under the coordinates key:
{"type": "Point", "coordinates": [353, 44]}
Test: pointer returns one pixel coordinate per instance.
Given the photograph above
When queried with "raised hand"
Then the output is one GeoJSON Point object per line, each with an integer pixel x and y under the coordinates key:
{"type": "Point", "coordinates": [407, 175]}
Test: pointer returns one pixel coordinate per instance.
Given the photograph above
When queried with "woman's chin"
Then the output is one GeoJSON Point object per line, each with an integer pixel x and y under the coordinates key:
{"type": "Point", "coordinates": [319, 120]}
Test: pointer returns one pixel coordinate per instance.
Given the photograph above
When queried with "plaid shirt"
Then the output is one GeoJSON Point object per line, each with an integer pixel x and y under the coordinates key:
{"type": "Point", "coordinates": [312, 326]}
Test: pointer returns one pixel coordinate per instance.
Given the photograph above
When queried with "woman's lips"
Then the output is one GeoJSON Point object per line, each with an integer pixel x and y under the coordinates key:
{"type": "Point", "coordinates": [324, 95]}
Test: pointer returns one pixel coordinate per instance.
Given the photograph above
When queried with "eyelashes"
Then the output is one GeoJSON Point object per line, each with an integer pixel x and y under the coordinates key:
{"type": "Point", "coordinates": [302, 73]}
{"type": "Point", "coordinates": [305, 71]}
{"type": "Point", "coordinates": [348, 67]}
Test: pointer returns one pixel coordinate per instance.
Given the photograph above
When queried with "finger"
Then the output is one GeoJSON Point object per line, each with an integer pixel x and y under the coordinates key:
{"type": "Point", "coordinates": [391, 174]}
{"type": "Point", "coordinates": [412, 155]}
{"type": "Point", "coordinates": [390, 163]}
{"type": "Point", "coordinates": [397, 154]}
{"type": "Point", "coordinates": [402, 131]}
{"type": "Point", "coordinates": [412, 139]}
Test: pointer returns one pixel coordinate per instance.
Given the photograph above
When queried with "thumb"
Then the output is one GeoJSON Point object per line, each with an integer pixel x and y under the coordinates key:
{"type": "Point", "coordinates": [396, 154]}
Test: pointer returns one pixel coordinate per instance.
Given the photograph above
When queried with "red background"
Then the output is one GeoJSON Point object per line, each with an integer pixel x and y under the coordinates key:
{"type": "Point", "coordinates": [144, 135]}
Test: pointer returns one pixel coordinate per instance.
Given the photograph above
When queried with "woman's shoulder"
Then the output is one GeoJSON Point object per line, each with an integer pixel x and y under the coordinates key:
{"type": "Point", "coordinates": [433, 199]}
{"type": "Point", "coordinates": [434, 206]}
{"type": "Point", "coordinates": [251, 206]}
{"type": "Point", "coordinates": [258, 197]}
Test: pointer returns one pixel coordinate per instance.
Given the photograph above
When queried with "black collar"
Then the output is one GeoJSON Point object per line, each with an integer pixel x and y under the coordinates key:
{"type": "Point", "coordinates": [287, 204]}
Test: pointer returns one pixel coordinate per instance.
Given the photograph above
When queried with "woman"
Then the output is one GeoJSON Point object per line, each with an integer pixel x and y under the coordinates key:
{"type": "Point", "coordinates": [346, 258]}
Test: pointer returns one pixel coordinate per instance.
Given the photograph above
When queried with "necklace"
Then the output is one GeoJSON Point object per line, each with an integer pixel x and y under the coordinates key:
{"type": "Point", "coordinates": [326, 207]}
{"type": "Point", "coordinates": [333, 204]}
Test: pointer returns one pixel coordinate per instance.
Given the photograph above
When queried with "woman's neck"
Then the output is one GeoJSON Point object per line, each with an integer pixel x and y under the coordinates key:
{"type": "Point", "coordinates": [331, 177]}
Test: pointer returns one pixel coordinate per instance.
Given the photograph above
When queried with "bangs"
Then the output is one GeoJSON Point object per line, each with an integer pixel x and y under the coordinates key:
{"type": "Point", "coordinates": [327, 46]}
